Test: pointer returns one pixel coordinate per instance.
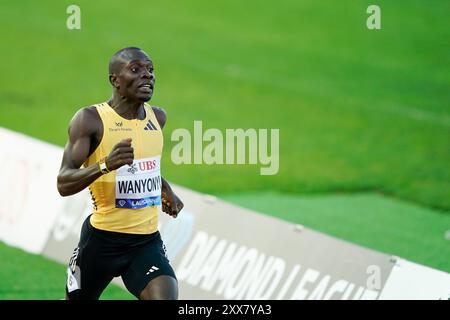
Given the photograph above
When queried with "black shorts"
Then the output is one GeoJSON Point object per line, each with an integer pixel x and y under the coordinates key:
{"type": "Point", "coordinates": [102, 255]}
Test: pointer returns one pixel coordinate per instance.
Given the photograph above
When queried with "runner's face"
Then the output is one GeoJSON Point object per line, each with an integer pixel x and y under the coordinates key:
{"type": "Point", "coordinates": [137, 78]}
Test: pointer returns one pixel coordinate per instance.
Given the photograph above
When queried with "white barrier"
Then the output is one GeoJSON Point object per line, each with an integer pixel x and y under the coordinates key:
{"type": "Point", "coordinates": [29, 198]}
{"type": "Point", "coordinates": [218, 250]}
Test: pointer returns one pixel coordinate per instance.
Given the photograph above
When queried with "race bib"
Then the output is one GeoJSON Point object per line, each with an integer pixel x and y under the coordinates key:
{"type": "Point", "coordinates": [139, 185]}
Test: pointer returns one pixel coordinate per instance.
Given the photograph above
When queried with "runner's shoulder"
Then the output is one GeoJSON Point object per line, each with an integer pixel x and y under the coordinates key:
{"type": "Point", "coordinates": [160, 115]}
{"type": "Point", "coordinates": [86, 121]}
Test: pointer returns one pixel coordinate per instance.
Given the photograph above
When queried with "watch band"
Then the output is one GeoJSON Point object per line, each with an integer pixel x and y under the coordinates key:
{"type": "Point", "coordinates": [102, 165]}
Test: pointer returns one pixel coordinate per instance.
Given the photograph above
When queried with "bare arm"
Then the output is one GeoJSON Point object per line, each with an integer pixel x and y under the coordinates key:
{"type": "Point", "coordinates": [83, 127]}
{"type": "Point", "coordinates": [165, 185]}
{"type": "Point", "coordinates": [72, 179]}
{"type": "Point", "coordinates": [171, 204]}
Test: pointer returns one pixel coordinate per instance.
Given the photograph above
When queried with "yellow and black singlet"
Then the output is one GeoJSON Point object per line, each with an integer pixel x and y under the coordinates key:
{"type": "Point", "coordinates": [125, 199]}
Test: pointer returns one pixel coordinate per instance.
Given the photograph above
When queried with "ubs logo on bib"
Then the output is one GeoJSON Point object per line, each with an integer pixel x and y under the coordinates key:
{"type": "Point", "coordinates": [147, 165]}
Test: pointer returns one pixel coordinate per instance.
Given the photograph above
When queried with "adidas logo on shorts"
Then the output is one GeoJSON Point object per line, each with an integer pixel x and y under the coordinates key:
{"type": "Point", "coordinates": [152, 269]}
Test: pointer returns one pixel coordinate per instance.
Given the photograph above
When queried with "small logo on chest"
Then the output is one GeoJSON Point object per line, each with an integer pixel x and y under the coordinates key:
{"type": "Point", "coordinates": [150, 126]}
{"type": "Point", "coordinates": [119, 127]}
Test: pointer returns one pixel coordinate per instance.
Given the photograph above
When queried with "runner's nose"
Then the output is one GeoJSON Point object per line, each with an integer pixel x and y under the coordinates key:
{"type": "Point", "coordinates": [148, 75]}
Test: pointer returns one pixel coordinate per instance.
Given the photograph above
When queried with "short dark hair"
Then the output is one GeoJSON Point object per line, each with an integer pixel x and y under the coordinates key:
{"type": "Point", "coordinates": [117, 60]}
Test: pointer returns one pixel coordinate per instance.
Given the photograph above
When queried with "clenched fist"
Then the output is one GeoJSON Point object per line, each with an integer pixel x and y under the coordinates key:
{"type": "Point", "coordinates": [121, 154]}
{"type": "Point", "coordinates": [171, 204]}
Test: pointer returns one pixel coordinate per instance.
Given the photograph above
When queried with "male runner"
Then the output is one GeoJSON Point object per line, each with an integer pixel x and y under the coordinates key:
{"type": "Point", "coordinates": [119, 143]}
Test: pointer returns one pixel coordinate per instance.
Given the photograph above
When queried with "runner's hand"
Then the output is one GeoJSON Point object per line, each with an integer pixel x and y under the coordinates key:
{"type": "Point", "coordinates": [171, 204]}
{"type": "Point", "coordinates": [121, 154]}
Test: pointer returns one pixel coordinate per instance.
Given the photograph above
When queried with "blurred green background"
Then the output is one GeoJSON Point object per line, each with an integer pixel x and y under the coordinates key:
{"type": "Point", "coordinates": [363, 114]}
